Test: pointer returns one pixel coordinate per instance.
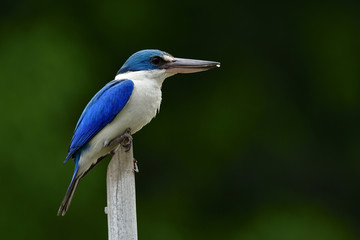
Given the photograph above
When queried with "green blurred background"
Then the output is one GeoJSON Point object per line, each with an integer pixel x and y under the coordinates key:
{"type": "Point", "coordinates": [266, 147]}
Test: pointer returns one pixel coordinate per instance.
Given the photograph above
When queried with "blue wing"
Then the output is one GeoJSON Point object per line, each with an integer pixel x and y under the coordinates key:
{"type": "Point", "coordinates": [100, 111]}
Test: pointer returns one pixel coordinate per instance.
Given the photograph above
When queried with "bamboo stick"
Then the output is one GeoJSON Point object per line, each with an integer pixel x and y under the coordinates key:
{"type": "Point", "coordinates": [121, 200]}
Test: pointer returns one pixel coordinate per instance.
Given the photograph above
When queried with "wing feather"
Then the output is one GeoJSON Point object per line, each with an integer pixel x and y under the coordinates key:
{"type": "Point", "coordinates": [99, 112]}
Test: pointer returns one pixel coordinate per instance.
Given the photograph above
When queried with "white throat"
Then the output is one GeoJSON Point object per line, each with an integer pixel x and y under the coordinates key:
{"type": "Point", "coordinates": [157, 76]}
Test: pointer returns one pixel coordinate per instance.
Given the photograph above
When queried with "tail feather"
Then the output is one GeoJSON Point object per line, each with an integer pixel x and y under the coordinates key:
{"type": "Point", "coordinates": [70, 191]}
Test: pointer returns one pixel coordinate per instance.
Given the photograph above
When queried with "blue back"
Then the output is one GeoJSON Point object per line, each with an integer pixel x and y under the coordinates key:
{"type": "Point", "coordinates": [99, 112]}
{"type": "Point", "coordinates": [141, 61]}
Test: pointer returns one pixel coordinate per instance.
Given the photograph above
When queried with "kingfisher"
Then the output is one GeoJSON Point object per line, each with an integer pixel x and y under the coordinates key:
{"type": "Point", "coordinates": [121, 108]}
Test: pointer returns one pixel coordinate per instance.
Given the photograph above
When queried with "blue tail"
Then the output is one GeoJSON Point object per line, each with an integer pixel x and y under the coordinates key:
{"type": "Point", "coordinates": [71, 189]}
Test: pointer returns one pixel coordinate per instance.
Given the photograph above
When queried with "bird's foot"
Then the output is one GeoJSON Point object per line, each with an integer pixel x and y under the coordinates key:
{"type": "Point", "coordinates": [136, 169]}
{"type": "Point", "coordinates": [112, 153]}
{"type": "Point", "coordinates": [125, 140]}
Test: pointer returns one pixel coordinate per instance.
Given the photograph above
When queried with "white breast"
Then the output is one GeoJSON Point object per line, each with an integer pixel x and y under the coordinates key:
{"type": "Point", "coordinates": [142, 106]}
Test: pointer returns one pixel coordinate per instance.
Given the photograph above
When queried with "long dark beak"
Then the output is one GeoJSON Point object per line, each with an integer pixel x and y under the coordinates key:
{"type": "Point", "coordinates": [182, 65]}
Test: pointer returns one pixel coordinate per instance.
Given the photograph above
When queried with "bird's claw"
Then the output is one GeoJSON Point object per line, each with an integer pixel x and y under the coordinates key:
{"type": "Point", "coordinates": [136, 169]}
{"type": "Point", "coordinates": [125, 140]}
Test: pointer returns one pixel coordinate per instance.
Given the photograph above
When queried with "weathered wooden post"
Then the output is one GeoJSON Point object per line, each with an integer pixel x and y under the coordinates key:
{"type": "Point", "coordinates": [121, 200]}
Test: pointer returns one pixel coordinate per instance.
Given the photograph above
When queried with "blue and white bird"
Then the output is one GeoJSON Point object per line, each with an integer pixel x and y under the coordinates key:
{"type": "Point", "coordinates": [123, 106]}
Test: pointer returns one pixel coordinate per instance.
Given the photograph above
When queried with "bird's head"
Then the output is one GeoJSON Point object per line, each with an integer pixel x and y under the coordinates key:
{"type": "Point", "coordinates": [146, 60]}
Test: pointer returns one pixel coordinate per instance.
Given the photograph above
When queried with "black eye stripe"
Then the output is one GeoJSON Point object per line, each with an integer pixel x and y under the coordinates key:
{"type": "Point", "coordinates": [156, 60]}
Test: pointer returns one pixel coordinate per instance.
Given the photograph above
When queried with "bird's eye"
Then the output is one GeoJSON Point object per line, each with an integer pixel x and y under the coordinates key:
{"type": "Point", "coordinates": [156, 60]}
